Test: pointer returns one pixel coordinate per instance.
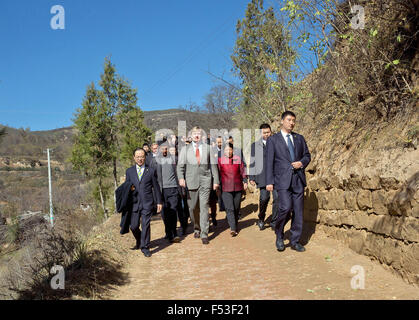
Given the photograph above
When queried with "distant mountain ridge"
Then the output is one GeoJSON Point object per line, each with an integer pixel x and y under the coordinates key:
{"type": "Point", "coordinates": [26, 144]}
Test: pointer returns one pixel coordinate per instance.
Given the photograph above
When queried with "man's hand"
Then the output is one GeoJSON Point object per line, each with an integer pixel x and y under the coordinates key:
{"type": "Point", "coordinates": [182, 183]}
{"type": "Point", "coordinates": [132, 188]}
{"type": "Point", "coordinates": [252, 182]}
{"type": "Point", "coordinates": [216, 186]}
{"type": "Point", "coordinates": [270, 187]}
{"type": "Point", "coordinates": [245, 186]}
{"type": "Point", "coordinates": [159, 208]}
{"type": "Point", "coordinates": [297, 164]}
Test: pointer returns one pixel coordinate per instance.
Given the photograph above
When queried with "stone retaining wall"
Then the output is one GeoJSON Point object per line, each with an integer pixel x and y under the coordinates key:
{"type": "Point", "coordinates": [375, 216]}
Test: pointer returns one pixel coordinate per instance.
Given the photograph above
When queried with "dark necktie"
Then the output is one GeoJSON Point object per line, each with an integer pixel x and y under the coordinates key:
{"type": "Point", "coordinates": [290, 147]}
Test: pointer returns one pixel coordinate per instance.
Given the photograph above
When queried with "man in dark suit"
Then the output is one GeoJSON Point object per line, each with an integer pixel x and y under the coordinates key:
{"type": "Point", "coordinates": [146, 148]}
{"type": "Point", "coordinates": [144, 181]}
{"type": "Point", "coordinates": [287, 158]}
{"type": "Point", "coordinates": [257, 176]}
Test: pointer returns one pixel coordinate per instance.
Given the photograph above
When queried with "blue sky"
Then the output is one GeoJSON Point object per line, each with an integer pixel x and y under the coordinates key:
{"type": "Point", "coordinates": [163, 47]}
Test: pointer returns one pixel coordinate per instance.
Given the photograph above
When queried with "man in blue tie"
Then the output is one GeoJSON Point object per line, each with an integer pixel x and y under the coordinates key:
{"type": "Point", "coordinates": [287, 158]}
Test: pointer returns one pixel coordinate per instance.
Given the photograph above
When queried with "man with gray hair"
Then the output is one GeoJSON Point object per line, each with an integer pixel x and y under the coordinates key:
{"type": "Point", "coordinates": [198, 172]}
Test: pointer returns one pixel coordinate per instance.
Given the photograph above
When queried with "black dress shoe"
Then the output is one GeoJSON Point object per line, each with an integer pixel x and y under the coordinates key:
{"type": "Point", "coordinates": [146, 252]}
{"type": "Point", "coordinates": [137, 246]}
{"type": "Point", "coordinates": [261, 225]}
{"type": "Point", "coordinates": [205, 241]}
{"type": "Point", "coordinates": [298, 247]}
{"type": "Point", "coordinates": [176, 239]}
{"type": "Point", "coordinates": [280, 244]}
{"type": "Point", "coordinates": [196, 234]}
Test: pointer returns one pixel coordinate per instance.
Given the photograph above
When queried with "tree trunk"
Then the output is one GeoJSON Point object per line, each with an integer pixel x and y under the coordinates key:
{"type": "Point", "coordinates": [102, 201]}
{"type": "Point", "coordinates": [115, 180]}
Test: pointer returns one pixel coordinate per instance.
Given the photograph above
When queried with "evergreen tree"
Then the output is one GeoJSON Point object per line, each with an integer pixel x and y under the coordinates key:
{"type": "Point", "coordinates": [110, 125]}
{"type": "Point", "coordinates": [92, 149]}
{"type": "Point", "coordinates": [263, 60]}
{"type": "Point", "coordinates": [109, 83]}
{"type": "Point", "coordinates": [130, 119]}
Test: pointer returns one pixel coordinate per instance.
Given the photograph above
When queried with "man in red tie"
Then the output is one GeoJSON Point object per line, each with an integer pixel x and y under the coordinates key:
{"type": "Point", "coordinates": [197, 171]}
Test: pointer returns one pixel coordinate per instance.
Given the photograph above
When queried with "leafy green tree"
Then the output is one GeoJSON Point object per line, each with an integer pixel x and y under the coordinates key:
{"type": "Point", "coordinates": [110, 125]}
{"type": "Point", "coordinates": [109, 83]}
{"type": "Point", "coordinates": [130, 119]}
{"type": "Point", "coordinates": [360, 63]}
{"type": "Point", "coordinates": [264, 61]}
{"type": "Point", "coordinates": [92, 149]}
{"type": "Point", "coordinates": [127, 130]}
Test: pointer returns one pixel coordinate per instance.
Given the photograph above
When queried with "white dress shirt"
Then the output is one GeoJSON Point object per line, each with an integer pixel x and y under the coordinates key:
{"type": "Point", "coordinates": [284, 134]}
{"type": "Point", "coordinates": [199, 147]}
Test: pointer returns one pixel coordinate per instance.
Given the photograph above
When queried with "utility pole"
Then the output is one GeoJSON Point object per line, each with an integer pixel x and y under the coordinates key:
{"type": "Point", "coordinates": [51, 214]}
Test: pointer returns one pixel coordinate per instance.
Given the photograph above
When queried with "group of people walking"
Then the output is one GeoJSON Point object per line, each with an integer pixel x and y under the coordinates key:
{"type": "Point", "coordinates": [186, 185]}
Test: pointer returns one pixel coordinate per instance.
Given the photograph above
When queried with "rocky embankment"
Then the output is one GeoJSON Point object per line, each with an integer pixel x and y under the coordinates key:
{"type": "Point", "coordinates": [363, 190]}
{"type": "Point", "coordinates": [14, 163]}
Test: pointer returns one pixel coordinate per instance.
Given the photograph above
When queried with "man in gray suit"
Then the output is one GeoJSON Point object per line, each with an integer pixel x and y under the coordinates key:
{"type": "Point", "coordinates": [198, 172]}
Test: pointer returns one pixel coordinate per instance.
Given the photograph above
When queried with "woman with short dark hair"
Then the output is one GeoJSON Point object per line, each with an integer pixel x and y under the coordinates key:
{"type": "Point", "coordinates": [234, 181]}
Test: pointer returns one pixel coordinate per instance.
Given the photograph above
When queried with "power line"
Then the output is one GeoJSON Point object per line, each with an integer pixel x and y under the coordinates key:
{"type": "Point", "coordinates": [204, 44]}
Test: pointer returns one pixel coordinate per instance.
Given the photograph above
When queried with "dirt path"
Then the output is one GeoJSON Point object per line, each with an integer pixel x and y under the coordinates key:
{"type": "Point", "coordinates": [248, 267]}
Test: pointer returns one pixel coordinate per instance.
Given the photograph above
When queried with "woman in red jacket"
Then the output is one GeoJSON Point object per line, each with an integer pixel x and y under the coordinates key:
{"type": "Point", "coordinates": [234, 181]}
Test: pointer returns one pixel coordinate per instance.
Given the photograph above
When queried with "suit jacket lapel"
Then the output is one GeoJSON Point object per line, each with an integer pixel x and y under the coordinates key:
{"type": "Point", "coordinates": [204, 155]}
{"type": "Point", "coordinates": [190, 154]}
{"type": "Point", "coordinates": [285, 146]}
{"type": "Point", "coordinates": [296, 146]}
